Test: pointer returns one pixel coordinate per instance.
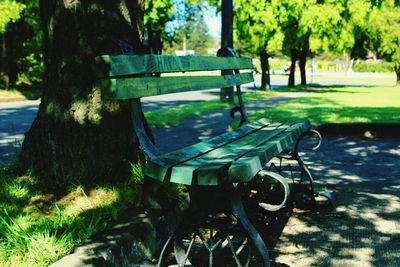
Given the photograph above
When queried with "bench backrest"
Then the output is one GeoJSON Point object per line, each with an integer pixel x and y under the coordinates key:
{"type": "Point", "coordinates": [131, 77]}
{"type": "Point", "coordinates": [135, 76]}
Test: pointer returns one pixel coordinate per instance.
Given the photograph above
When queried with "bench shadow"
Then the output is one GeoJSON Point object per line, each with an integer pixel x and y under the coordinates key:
{"type": "Point", "coordinates": [363, 231]}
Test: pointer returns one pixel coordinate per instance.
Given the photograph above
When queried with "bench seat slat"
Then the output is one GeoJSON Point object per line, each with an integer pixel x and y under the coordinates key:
{"type": "Point", "coordinates": [157, 167]}
{"type": "Point", "coordinates": [221, 157]}
{"type": "Point", "coordinates": [122, 65]}
{"type": "Point", "coordinates": [245, 168]}
{"type": "Point", "coordinates": [127, 88]}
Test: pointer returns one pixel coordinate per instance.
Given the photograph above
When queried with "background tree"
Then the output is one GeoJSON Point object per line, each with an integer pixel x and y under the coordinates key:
{"type": "Point", "coordinates": [188, 30]}
{"type": "Point", "coordinates": [157, 14]}
{"type": "Point", "coordinates": [257, 33]}
{"type": "Point", "coordinates": [319, 29]}
{"type": "Point", "coordinates": [10, 11]}
{"type": "Point", "coordinates": [76, 135]}
{"type": "Point", "coordinates": [384, 33]}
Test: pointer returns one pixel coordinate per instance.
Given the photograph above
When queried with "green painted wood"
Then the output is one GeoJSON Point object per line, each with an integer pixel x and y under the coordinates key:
{"type": "Point", "coordinates": [211, 168]}
{"type": "Point", "coordinates": [158, 167]}
{"type": "Point", "coordinates": [245, 168]}
{"type": "Point", "coordinates": [123, 65]}
{"type": "Point", "coordinates": [128, 88]}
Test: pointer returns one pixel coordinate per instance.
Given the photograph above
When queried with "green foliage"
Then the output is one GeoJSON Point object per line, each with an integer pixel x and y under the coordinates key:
{"type": "Point", "coordinates": [384, 31]}
{"type": "Point", "coordinates": [321, 24]}
{"type": "Point", "coordinates": [157, 12]}
{"type": "Point", "coordinates": [10, 11]}
{"type": "Point", "coordinates": [31, 68]}
{"type": "Point", "coordinates": [382, 66]}
{"type": "Point", "coordinates": [256, 27]}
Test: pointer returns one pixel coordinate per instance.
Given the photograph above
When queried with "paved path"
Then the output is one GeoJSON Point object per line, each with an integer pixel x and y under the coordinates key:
{"type": "Point", "coordinates": [15, 119]}
{"type": "Point", "coordinates": [364, 177]}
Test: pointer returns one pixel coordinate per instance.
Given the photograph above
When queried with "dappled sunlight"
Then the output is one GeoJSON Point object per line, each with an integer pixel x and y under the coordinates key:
{"type": "Point", "coordinates": [77, 201]}
{"type": "Point", "coordinates": [48, 223]}
{"type": "Point", "coordinates": [339, 105]}
{"type": "Point", "coordinates": [365, 230]}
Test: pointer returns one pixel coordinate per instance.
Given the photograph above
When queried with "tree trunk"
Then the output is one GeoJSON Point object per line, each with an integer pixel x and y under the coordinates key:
{"type": "Point", "coordinates": [3, 70]}
{"type": "Point", "coordinates": [397, 69]}
{"type": "Point", "coordinates": [155, 41]}
{"type": "Point", "coordinates": [302, 66]}
{"type": "Point", "coordinates": [293, 58]}
{"type": "Point", "coordinates": [227, 23]}
{"type": "Point", "coordinates": [76, 135]}
{"type": "Point", "coordinates": [265, 71]}
{"type": "Point", "coordinates": [226, 41]}
{"type": "Point", "coordinates": [11, 55]}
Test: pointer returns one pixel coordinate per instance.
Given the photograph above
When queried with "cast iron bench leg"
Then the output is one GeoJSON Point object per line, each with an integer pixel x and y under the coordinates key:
{"type": "Point", "coordinates": [239, 212]}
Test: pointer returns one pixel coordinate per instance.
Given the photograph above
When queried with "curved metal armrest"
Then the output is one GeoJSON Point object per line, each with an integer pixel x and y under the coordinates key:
{"type": "Point", "coordinates": [281, 180]}
{"type": "Point", "coordinates": [305, 134]}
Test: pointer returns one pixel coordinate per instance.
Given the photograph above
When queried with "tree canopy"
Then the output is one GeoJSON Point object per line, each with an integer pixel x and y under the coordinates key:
{"type": "Point", "coordinates": [9, 11]}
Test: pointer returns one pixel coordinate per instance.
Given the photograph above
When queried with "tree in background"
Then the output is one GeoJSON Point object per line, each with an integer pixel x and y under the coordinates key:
{"type": "Point", "coordinates": [257, 32]}
{"type": "Point", "coordinates": [10, 11]}
{"type": "Point", "coordinates": [384, 33]}
{"type": "Point", "coordinates": [188, 30]}
{"type": "Point", "coordinates": [319, 29]}
{"type": "Point", "coordinates": [157, 14]}
{"type": "Point", "coordinates": [76, 135]}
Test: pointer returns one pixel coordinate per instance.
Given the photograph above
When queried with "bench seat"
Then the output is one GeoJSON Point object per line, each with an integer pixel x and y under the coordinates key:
{"type": "Point", "coordinates": [235, 156]}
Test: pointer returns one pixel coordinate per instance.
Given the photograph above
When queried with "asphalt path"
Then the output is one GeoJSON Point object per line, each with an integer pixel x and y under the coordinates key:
{"type": "Point", "coordinates": [15, 119]}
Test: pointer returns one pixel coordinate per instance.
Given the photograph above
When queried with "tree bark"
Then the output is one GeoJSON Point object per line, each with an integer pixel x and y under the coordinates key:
{"type": "Point", "coordinates": [265, 71]}
{"type": "Point", "coordinates": [76, 135]}
{"type": "Point", "coordinates": [227, 23]}
{"type": "Point", "coordinates": [155, 42]}
{"type": "Point", "coordinates": [302, 66]}
{"type": "Point", "coordinates": [293, 58]}
{"type": "Point", "coordinates": [397, 69]}
{"type": "Point", "coordinates": [11, 55]}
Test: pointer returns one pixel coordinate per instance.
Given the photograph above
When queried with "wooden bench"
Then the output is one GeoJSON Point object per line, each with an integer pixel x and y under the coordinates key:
{"type": "Point", "coordinates": [218, 171]}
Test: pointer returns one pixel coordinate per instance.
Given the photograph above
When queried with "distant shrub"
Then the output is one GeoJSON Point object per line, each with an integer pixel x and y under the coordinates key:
{"type": "Point", "coordinates": [31, 69]}
{"type": "Point", "coordinates": [380, 66]}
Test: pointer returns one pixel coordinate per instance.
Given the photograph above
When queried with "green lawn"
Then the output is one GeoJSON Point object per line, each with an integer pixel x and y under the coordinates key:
{"type": "Point", "coordinates": [31, 93]}
{"type": "Point", "coordinates": [339, 104]}
{"type": "Point", "coordinates": [38, 227]}
{"type": "Point", "coordinates": [168, 117]}
{"type": "Point", "coordinates": [382, 79]}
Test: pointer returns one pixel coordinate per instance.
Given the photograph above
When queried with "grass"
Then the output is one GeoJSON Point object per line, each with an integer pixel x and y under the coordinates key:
{"type": "Point", "coordinates": [339, 104]}
{"type": "Point", "coordinates": [168, 117]}
{"type": "Point", "coordinates": [37, 227]}
{"type": "Point", "coordinates": [382, 79]}
{"type": "Point", "coordinates": [28, 92]}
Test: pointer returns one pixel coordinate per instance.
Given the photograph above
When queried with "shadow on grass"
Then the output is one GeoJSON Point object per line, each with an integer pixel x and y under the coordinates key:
{"type": "Point", "coordinates": [30, 92]}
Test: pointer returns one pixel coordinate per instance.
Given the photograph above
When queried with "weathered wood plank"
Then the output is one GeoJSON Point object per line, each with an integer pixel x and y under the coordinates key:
{"type": "Point", "coordinates": [122, 65]}
{"type": "Point", "coordinates": [128, 88]}
{"type": "Point", "coordinates": [245, 168]}
{"type": "Point", "coordinates": [158, 167]}
{"type": "Point", "coordinates": [209, 168]}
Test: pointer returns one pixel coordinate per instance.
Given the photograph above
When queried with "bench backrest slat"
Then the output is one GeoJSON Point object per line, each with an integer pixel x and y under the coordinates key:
{"type": "Point", "coordinates": [127, 88]}
{"type": "Point", "coordinates": [123, 65]}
